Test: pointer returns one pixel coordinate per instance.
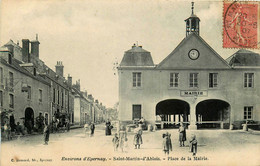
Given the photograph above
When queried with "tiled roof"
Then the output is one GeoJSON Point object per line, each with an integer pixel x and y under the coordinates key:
{"type": "Point", "coordinates": [16, 65]}
{"type": "Point", "coordinates": [244, 58]}
{"type": "Point", "coordinates": [137, 56]}
{"type": "Point", "coordinates": [3, 48]}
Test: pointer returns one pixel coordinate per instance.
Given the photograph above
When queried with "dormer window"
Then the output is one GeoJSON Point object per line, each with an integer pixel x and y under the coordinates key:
{"type": "Point", "coordinates": [10, 59]}
{"type": "Point", "coordinates": [34, 71]}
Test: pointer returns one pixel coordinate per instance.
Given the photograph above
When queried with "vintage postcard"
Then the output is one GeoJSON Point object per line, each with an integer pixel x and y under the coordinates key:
{"type": "Point", "coordinates": [130, 82]}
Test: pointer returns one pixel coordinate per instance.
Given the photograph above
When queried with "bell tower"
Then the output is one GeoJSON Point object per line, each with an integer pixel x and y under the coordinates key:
{"type": "Point", "coordinates": [192, 23]}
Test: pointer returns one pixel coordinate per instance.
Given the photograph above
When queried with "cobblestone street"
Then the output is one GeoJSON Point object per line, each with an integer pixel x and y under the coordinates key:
{"type": "Point", "coordinates": [73, 148]}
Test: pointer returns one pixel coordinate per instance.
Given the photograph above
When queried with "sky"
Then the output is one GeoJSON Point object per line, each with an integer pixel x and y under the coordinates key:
{"type": "Point", "coordinates": [89, 36]}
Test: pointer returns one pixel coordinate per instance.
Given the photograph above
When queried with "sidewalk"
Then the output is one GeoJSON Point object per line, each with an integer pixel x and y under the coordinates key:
{"type": "Point", "coordinates": [16, 136]}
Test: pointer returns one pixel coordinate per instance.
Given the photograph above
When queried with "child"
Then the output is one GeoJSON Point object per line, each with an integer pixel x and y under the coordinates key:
{"type": "Point", "coordinates": [182, 135]}
{"type": "Point", "coordinates": [46, 134]}
{"type": "Point", "coordinates": [138, 137]}
{"type": "Point", "coordinates": [86, 129]}
{"type": "Point", "coordinates": [167, 143]}
{"type": "Point", "coordinates": [115, 141]}
{"type": "Point", "coordinates": [122, 138]}
{"type": "Point", "coordinates": [193, 145]}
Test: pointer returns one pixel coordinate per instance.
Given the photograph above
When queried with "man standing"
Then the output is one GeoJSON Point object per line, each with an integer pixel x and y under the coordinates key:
{"type": "Point", "coordinates": [46, 134]}
{"type": "Point", "coordinates": [40, 122]}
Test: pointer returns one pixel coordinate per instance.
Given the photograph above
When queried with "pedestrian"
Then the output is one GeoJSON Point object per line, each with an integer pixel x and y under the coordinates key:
{"type": "Point", "coordinates": [67, 125]}
{"type": "Point", "coordinates": [86, 129]}
{"type": "Point", "coordinates": [182, 135]}
{"type": "Point", "coordinates": [141, 121]}
{"type": "Point", "coordinates": [19, 129]}
{"type": "Point", "coordinates": [115, 141]}
{"type": "Point", "coordinates": [7, 130]}
{"type": "Point", "coordinates": [193, 144]}
{"type": "Point", "coordinates": [92, 128]}
{"type": "Point", "coordinates": [108, 127]}
{"type": "Point", "coordinates": [167, 143]}
{"type": "Point", "coordinates": [122, 138]}
{"type": "Point", "coordinates": [138, 136]}
{"type": "Point", "coordinates": [46, 134]}
{"type": "Point", "coordinates": [40, 123]}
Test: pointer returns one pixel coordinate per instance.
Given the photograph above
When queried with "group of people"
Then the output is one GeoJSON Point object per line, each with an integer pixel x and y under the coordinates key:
{"type": "Point", "coordinates": [60, 123]}
{"type": "Point", "coordinates": [167, 144]}
{"type": "Point", "coordinates": [89, 127]}
{"type": "Point", "coordinates": [120, 139]}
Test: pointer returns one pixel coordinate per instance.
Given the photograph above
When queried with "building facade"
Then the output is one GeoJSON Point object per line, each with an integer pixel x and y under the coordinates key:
{"type": "Point", "coordinates": [28, 87]}
{"type": "Point", "coordinates": [23, 92]}
{"type": "Point", "coordinates": [193, 85]}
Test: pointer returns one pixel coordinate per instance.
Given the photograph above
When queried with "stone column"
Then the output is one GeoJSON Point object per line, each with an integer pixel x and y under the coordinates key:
{"type": "Point", "coordinates": [193, 125]}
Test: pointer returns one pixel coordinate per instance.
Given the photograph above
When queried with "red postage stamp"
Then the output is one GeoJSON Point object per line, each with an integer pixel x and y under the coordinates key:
{"type": "Point", "coordinates": [241, 24]}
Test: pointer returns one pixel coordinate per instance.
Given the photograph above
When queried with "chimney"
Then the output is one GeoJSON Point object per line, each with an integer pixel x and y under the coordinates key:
{"type": "Point", "coordinates": [85, 93]}
{"type": "Point", "coordinates": [35, 47]}
{"type": "Point", "coordinates": [59, 68]}
{"type": "Point", "coordinates": [78, 85]}
{"type": "Point", "coordinates": [69, 80]}
{"type": "Point", "coordinates": [25, 51]}
{"type": "Point", "coordinates": [90, 97]}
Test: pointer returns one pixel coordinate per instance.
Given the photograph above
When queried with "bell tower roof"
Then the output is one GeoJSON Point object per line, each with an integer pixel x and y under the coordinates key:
{"type": "Point", "coordinates": [192, 23]}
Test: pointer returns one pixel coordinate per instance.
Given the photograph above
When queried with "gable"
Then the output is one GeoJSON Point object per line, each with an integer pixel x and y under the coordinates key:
{"type": "Point", "coordinates": [179, 59]}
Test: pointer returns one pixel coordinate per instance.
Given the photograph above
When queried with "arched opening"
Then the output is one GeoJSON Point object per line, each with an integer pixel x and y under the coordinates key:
{"type": "Point", "coordinates": [171, 112]}
{"type": "Point", "coordinates": [29, 119]}
{"type": "Point", "coordinates": [213, 113]}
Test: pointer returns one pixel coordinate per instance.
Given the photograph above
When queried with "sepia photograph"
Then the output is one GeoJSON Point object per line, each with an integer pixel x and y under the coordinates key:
{"type": "Point", "coordinates": [129, 82]}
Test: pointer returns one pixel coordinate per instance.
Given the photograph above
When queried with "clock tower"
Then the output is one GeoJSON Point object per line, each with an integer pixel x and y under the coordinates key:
{"type": "Point", "coordinates": [192, 23]}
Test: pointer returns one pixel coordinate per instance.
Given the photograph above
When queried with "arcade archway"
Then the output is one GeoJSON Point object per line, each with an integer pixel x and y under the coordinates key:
{"type": "Point", "coordinates": [29, 119]}
{"type": "Point", "coordinates": [171, 112]}
{"type": "Point", "coordinates": [213, 113]}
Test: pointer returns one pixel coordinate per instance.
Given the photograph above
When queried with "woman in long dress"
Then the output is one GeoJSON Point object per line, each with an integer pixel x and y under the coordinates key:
{"type": "Point", "coordinates": [122, 138]}
{"type": "Point", "coordinates": [108, 127]}
{"type": "Point", "coordinates": [46, 134]}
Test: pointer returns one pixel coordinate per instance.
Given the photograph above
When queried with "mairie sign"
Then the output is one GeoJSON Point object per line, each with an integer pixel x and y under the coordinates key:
{"type": "Point", "coordinates": [187, 93]}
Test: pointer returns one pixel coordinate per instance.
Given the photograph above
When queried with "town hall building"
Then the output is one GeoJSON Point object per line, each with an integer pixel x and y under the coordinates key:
{"type": "Point", "coordinates": [193, 85]}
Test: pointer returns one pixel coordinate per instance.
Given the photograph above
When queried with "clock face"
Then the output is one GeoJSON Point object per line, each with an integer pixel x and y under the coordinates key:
{"type": "Point", "coordinates": [194, 54]}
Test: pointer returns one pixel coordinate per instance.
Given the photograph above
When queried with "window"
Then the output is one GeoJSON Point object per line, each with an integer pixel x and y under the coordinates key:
{"type": "Point", "coordinates": [249, 80]}
{"type": "Point", "coordinates": [53, 95]}
{"type": "Point", "coordinates": [11, 79]}
{"type": "Point", "coordinates": [248, 113]}
{"type": "Point", "coordinates": [213, 80]}
{"type": "Point", "coordinates": [29, 96]}
{"type": "Point", "coordinates": [46, 118]}
{"type": "Point", "coordinates": [1, 75]}
{"type": "Point", "coordinates": [193, 79]}
{"type": "Point", "coordinates": [136, 112]}
{"type": "Point", "coordinates": [174, 79]}
{"type": "Point", "coordinates": [40, 95]}
{"type": "Point", "coordinates": [58, 97]}
{"type": "Point", "coordinates": [1, 98]}
{"type": "Point", "coordinates": [11, 100]}
{"type": "Point", "coordinates": [10, 59]}
{"type": "Point", "coordinates": [136, 79]}
{"type": "Point", "coordinates": [62, 99]}
{"type": "Point", "coordinates": [34, 71]}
